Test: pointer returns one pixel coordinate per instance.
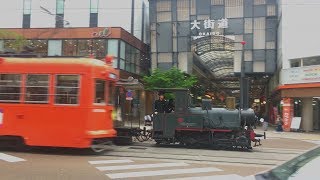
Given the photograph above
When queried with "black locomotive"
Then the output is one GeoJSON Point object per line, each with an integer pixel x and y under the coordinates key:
{"type": "Point", "coordinates": [197, 126]}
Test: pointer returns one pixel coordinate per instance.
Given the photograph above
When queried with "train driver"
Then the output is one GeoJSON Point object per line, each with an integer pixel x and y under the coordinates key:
{"type": "Point", "coordinates": [160, 104]}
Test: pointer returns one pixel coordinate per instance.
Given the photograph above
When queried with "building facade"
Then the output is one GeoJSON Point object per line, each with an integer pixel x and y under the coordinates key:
{"type": "Point", "coordinates": [295, 88]}
{"type": "Point", "coordinates": [178, 27]}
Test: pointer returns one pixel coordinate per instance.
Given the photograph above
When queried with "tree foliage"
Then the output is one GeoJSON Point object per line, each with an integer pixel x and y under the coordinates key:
{"type": "Point", "coordinates": [173, 78]}
{"type": "Point", "coordinates": [19, 40]}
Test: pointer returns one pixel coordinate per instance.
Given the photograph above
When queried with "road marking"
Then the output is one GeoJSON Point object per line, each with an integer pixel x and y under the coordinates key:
{"type": "Point", "coordinates": [111, 161]}
{"type": "Point", "coordinates": [10, 158]}
{"type": "Point", "coordinates": [217, 177]}
{"type": "Point", "coordinates": [161, 172]}
{"type": "Point", "coordinates": [140, 166]}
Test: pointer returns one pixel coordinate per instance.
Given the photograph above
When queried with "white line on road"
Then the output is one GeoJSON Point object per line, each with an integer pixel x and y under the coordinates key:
{"type": "Point", "coordinates": [141, 166]}
{"type": "Point", "coordinates": [161, 172]}
{"type": "Point", "coordinates": [10, 158]}
{"type": "Point", "coordinates": [111, 161]}
{"type": "Point", "coordinates": [217, 177]}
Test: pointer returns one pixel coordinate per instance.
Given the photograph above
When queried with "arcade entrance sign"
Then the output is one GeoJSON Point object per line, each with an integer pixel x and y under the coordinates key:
{"type": "Point", "coordinates": [202, 27]}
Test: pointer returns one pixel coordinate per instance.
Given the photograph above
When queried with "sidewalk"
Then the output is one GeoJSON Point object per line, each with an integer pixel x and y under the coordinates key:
{"type": "Point", "coordinates": [271, 133]}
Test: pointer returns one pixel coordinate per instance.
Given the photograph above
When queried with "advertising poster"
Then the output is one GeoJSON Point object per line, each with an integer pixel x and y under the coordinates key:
{"type": "Point", "coordinates": [287, 113]}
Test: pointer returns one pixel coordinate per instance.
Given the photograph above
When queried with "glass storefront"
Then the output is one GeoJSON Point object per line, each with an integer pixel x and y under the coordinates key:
{"type": "Point", "coordinates": [127, 57]}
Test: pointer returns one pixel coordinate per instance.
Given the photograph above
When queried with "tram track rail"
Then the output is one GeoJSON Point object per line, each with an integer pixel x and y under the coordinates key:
{"type": "Point", "coordinates": [264, 157]}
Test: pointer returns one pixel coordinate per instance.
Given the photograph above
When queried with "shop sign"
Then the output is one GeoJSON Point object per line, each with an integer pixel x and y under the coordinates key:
{"type": "Point", "coordinates": [287, 113]}
{"type": "Point", "coordinates": [102, 34]}
{"type": "Point", "coordinates": [307, 74]}
{"type": "Point", "coordinates": [209, 24]}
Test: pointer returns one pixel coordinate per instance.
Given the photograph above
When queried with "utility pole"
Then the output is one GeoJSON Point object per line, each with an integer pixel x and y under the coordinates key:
{"type": "Point", "coordinates": [242, 89]}
{"type": "Point", "coordinates": [242, 78]}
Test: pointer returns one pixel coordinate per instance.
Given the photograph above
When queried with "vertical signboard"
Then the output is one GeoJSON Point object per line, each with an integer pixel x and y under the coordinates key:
{"type": "Point", "coordinates": [287, 113]}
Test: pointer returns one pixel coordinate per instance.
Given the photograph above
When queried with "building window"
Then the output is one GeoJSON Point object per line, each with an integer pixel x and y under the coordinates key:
{"type": "Point", "coordinates": [93, 20]}
{"type": "Point", "coordinates": [247, 55]}
{"type": "Point", "coordinates": [37, 89]}
{"type": "Point", "coordinates": [259, 33]}
{"type": "Point", "coordinates": [259, 2]}
{"type": "Point", "coordinates": [1, 46]}
{"type": "Point", "coordinates": [94, 4]}
{"type": "Point", "coordinates": [54, 47]}
{"type": "Point", "coordinates": [60, 7]}
{"type": "Point", "coordinates": [183, 10]}
{"type": "Point", "coordinates": [69, 47]}
{"type": "Point", "coordinates": [234, 8]}
{"type": "Point", "coordinates": [310, 61]}
{"type": "Point", "coordinates": [193, 6]}
{"type": "Point", "coordinates": [26, 21]}
{"type": "Point", "coordinates": [259, 66]}
{"type": "Point", "coordinates": [295, 62]}
{"type": "Point", "coordinates": [84, 47]}
{"type": "Point", "coordinates": [67, 89]}
{"type": "Point", "coordinates": [10, 88]}
{"type": "Point", "coordinates": [113, 51]}
{"type": "Point", "coordinates": [98, 46]}
{"type": "Point", "coordinates": [271, 45]}
{"type": "Point", "coordinates": [59, 13]}
{"type": "Point", "coordinates": [100, 93]}
{"type": "Point", "coordinates": [164, 11]}
{"type": "Point", "coordinates": [39, 46]}
{"type": "Point", "coordinates": [248, 25]}
{"type": "Point", "coordinates": [26, 14]}
{"type": "Point", "coordinates": [271, 10]}
{"type": "Point", "coordinates": [217, 2]}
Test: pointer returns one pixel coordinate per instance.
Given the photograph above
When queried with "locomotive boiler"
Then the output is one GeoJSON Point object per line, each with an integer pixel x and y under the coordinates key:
{"type": "Point", "coordinates": [196, 126]}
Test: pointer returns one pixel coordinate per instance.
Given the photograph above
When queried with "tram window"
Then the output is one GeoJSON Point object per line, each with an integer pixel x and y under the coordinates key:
{"type": "Point", "coordinates": [100, 92]}
{"type": "Point", "coordinates": [67, 89]}
{"type": "Point", "coordinates": [10, 88]}
{"type": "Point", "coordinates": [111, 98]}
{"type": "Point", "coordinates": [37, 89]}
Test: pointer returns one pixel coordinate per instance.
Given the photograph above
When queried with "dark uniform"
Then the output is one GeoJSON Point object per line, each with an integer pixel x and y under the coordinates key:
{"type": "Point", "coordinates": [160, 106]}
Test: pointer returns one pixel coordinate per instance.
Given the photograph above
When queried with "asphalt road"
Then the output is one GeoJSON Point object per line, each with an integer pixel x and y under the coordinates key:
{"type": "Point", "coordinates": [147, 161]}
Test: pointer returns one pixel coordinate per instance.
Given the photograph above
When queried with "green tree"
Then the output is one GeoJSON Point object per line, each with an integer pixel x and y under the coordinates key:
{"type": "Point", "coordinates": [173, 78]}
{"type": "Point", "coordinates": [19, 40]}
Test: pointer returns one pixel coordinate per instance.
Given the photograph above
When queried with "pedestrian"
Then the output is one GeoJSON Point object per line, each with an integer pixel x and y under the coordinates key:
{"type": "Point", "coordinates": [279, 124]}
{"type": "Point", "coordinates": [160, 104]}
{"type": "Point", "coordinates": [265, 121]}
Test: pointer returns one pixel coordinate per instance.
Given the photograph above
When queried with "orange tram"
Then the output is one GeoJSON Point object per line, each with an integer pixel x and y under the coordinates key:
{"type": "Point", "coordinates": [57, 102]}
